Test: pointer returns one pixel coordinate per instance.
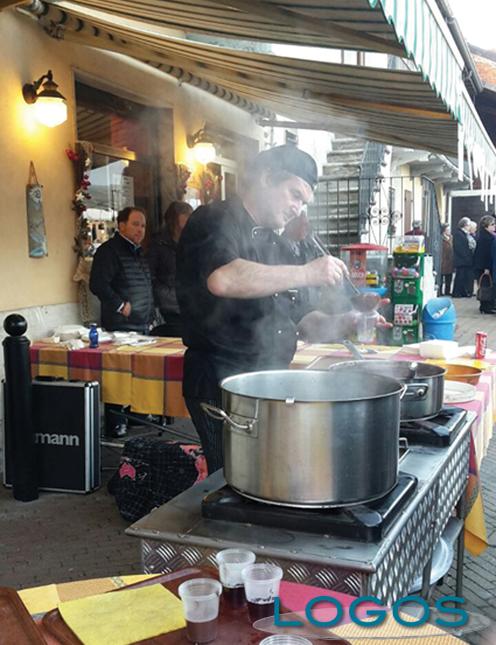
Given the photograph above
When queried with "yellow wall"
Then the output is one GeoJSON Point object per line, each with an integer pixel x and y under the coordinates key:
{"type": "Point", "coordinates": [25, 56]}
{"type": "Point", "coordinates": [26, 53]}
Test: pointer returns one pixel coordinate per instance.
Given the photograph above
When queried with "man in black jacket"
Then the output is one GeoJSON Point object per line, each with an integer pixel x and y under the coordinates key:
{"type": "Point", "coordinates": [484, 260]}
{"type": "Point", "coordinates": [236, 282]}
{"type": "Point", "coordinates": [121, 280]}
{"type": "Point", "coordinates": [120, 276]}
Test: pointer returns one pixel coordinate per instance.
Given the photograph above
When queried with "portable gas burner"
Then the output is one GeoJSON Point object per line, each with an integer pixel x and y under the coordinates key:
{"type": "Point", "coordinates": [438, 431]}
{"type": "Point", "coordinates": [368, 522]}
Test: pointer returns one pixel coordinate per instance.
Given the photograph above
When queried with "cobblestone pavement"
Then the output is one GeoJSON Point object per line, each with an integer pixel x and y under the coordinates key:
{"type": "Point", "coordinates": [62, 537]}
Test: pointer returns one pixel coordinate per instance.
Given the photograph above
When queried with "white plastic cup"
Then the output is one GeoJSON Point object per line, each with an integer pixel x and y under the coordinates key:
{"type": "Point", "coordinates": [285, 639]}
{"type": "Point", "coordinates": [231, 563]}
{"type": "Point", "coordinates": [262, 583]}
{"type": "Point", "coordinates": [366, 327]}
{"type": "Point", "coordinates": [200, 598]}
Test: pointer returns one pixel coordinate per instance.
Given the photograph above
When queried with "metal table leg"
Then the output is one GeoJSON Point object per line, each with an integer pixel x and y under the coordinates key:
{"type": "Point", "coordinates": [461, 511]}
{"type": "Point", "coordinates": [425, 592]}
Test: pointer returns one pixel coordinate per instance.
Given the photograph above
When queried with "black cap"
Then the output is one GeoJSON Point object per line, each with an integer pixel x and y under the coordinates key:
{"type": "Point", "coordinates": [288, 158]}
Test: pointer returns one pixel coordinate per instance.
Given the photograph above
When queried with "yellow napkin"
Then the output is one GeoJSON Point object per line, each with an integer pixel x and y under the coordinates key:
{"type": "Point", "coordinates": [123, 617]}
{"type": "Point", "coordinates": [40, 599]}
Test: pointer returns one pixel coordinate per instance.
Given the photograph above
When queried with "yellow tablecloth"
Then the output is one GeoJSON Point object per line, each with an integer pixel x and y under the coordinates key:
{"type": "Point", "coordinates": [147, 378]}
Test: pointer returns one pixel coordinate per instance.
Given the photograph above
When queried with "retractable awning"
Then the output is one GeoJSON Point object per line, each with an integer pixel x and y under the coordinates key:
{"type": "Point", "coordinates": [428, 109]}
{"type": "Point", "coordinates": [405, 28]}
{"type": "Point", "coordinates": [351, 24]}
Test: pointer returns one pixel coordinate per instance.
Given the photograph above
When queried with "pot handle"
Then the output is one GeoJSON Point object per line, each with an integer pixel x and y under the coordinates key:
{"type": "Point", "coordinates": [416, 391]}
{"type": "Point", "coordinates": [220, 415]}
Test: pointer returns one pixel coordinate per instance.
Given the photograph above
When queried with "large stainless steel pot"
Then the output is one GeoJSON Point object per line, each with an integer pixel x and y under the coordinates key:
{"type": "Point", "coordinates": [425, 383]}
{"type": "Point", "coordinates": [308, 439]}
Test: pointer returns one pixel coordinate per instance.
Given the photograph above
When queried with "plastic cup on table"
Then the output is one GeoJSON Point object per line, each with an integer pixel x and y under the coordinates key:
{"type": "Point", "coordinates": [262, 583]}
{"type": "Point", "coordinates": [285, 639]}
{"type": "Point", "coordinates": [231, 563]}
{"type": "Point", "coordinates": [200, 598]}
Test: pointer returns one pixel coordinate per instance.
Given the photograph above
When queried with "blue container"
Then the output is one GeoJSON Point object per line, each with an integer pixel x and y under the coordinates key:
{"type": "Point", "coordinates": [93, 336]}
{"type": "Point", "coordinates": [439, 319]}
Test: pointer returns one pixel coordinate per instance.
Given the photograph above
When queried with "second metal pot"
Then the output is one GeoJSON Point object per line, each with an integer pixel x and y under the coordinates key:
{"type": "Point", "coordinates": [425, 383]}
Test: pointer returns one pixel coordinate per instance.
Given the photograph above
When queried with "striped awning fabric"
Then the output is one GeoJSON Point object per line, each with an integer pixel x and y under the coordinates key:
{"type": "Point", "coordinates": [427, 109]}
{"type": "Point", "coordinates": [385, 105]}
{"type": "Point", "coordinates": [351, 24]}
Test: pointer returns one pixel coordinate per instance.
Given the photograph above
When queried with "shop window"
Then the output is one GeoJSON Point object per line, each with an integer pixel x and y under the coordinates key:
{"type": "Point", "coordinates": [125, 159]}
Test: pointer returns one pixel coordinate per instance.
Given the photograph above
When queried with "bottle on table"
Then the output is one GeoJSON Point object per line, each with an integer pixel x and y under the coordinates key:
{"type": "Point", "coordinates": [93, 335]}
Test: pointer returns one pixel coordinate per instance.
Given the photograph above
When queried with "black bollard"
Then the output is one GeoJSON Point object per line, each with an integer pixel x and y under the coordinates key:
{"type": "Point", "coordinates": [18, 406]}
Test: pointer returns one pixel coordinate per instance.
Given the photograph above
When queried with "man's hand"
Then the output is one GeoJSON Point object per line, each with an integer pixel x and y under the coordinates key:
{"type": "Point", "coordinates": [325, 271]}
{"type": "Point", "coordinates": [381, 321]}
{"type": "Point", "coordinates": [126, 310]}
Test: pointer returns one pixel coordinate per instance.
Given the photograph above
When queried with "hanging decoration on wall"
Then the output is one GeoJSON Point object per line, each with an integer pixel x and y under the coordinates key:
{"type": "Point", "coordinates": [183, 173]}
{"type": "Point", "coordinates": [82, 162]}
{"type": "Point", "coordinates": [36, 220]}
{"type": "Point", "coordinates": [208, 180]}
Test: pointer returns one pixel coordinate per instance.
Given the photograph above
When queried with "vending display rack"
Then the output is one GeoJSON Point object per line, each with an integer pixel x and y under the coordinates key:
{"type": "Point", "coordinates": [407, 296]}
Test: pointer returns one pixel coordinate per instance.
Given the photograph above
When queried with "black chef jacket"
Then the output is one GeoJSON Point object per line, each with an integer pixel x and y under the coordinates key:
{"type": "Point", "coordinates": [227, 336]}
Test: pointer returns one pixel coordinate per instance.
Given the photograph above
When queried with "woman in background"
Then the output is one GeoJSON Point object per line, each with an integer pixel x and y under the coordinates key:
{"type": "Point", "coordinates": [446, 260]}
{"type": "Point", "coordinates": [463, 260]}
{"type": "Point", "coordinates": [162, 261]}
{"type": "Point", "coordinates": [484, 258]}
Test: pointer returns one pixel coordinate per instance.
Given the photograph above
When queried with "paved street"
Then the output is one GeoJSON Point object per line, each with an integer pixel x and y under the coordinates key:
{"type": "Point", "coordinates": [63, 537]}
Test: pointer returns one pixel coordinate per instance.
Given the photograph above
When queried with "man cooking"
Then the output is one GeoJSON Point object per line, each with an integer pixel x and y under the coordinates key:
{"type": "Point", "coordinates": [236, 286]}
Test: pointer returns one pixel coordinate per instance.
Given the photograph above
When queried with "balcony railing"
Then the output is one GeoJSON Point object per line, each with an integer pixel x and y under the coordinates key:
{"type": "Point", "coordinates": [339, 216]}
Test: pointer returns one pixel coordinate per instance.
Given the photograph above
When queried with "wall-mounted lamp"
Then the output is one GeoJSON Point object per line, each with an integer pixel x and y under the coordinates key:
{"type": "Point", "coordinates": [50, 107]}
{"type": "Point", "coordinates": [203, 148]}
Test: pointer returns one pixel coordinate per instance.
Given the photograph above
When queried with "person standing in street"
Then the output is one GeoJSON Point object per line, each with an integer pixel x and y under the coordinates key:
{"type": "Point", "coordinates": [446, 260]}
{"type": "Point", "coordinates": [120, 276]}
{"type": "Point", "coordinates": [416, 228]}
{"type": "Point", "coordinates": [484, 260]}
{"type": "Point", "coordinates": [161, 256]}
{"type": "Point", "coordinates": [121, 280]}
{"type": "Point", "coordinates": [463, 260]}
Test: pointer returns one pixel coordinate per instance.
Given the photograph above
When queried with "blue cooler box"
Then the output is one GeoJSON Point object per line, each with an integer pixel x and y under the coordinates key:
{"type": "Point", "coordinates": [439, 319]}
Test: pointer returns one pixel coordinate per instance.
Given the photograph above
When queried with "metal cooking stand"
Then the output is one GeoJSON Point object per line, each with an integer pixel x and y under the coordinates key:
{"type": "Point", "coordinates": [175, 535]}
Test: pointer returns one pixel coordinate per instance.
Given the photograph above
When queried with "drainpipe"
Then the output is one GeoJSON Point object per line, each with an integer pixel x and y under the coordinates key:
{"type": "Point", "coordinates": [473, 75]}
